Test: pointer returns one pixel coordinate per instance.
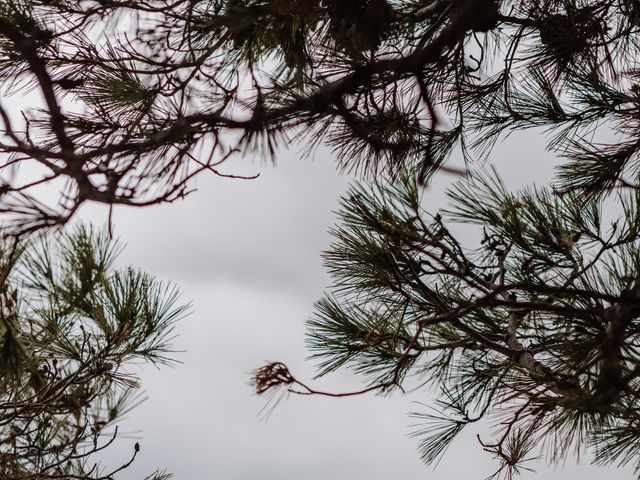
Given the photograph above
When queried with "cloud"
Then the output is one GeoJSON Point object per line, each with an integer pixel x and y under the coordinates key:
{"type": "Point", "coordinates": [247, 254]}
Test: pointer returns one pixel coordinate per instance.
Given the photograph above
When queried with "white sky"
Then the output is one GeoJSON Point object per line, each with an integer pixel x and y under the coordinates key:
{"type": "Point", "coordinates": [247, 254]}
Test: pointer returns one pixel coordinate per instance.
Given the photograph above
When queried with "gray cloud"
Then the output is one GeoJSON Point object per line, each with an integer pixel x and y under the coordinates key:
{"type": "Point", "coordinates": [247, 254]}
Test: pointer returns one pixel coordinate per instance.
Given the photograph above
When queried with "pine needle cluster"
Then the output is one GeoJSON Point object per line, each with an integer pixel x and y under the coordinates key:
{"type": "Point", "coordinates": [533, 330]}
{"type": "Point", "coordinates": [70, 328]}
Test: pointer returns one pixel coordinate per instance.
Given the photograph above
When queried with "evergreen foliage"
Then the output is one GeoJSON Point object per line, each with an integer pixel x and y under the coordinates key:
{"type": "Point", "coordinates": [71, 326]}
{"type": "Point", "coordinates": [138, 97]}
{"type": "Point", "coordinates": [535, 328]}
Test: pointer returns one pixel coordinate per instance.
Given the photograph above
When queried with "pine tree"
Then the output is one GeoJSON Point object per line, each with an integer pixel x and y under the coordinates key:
{"type": "Point", "coordinates": [136, 98]}
{"type": "Point", "coordinates": [70, 325]}
{"type": "Point", "coordinates": [534, 329]}
{"type": "Point", "coordinates": [537, 323]}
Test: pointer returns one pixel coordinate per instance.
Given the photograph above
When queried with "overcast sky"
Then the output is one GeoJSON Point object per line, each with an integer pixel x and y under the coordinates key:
{"type": "Point", "coordinates": [246, 254]}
